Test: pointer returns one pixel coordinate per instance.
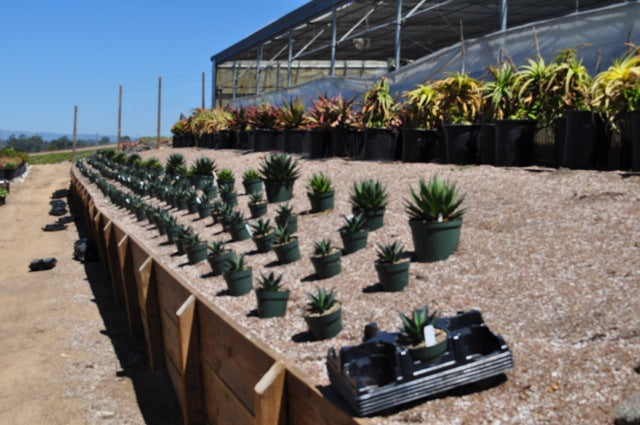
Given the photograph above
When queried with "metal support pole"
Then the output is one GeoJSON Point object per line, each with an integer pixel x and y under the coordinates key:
{"type": "Point", "coordinates": [258, 60]}
{"type": "Point", "coordinates": [503, 15]}
{"type": "Point", "coordinates": [75, 128]}
{"type": "Point", "coordinates": [398, 31]}
{"type": "Point", "coordinates": [213, 84]}
{"type": "Point", "coordinates": [159, 111]}
{"type": "Point", "coordinates": [119, 118]}
{"type": "Point", "coordinates": [278, 75]}
{"type": "Point", "coordinates": [234, 77]}
{"type": "Point", "coordinates": [203, 89]}
{"type": "Point", "coordinates": [334, 30]}
{"type": "Point", "coordinates": [289, 59]}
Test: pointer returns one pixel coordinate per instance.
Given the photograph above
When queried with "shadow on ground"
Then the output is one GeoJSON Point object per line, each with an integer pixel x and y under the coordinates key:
{"type": "Point", "coordinates": [154, 392]}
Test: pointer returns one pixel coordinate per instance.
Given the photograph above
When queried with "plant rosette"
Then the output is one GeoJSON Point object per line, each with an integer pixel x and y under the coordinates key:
{"type": "Point", "coordinates": [328, 265]}
{"type": "Point", "coordinates": [290, 222]}
{"type": "Point", "coordinates": [326, 324]}
{"type": "Point", "coordinates": [288, 252]}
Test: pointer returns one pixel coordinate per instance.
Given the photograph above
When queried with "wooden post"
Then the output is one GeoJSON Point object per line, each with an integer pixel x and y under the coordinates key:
{"type": "Point", "coordinates": [112, 262]}
{"type": "Point", "coordinates": [75, 129]}
{"type": "Point", "coordinates": [203, 90]}
{"type": "Point", "coordinates": [119, 118]}
{"type": "Point", "coordinates": [269, 397]}
{"type": "Point", "coordinates": [159, 110]}
{"type": "Point", "coordinates": [190, 363]}
{"type": "Point", "coordinates": [150, 312]}
{"type": "Point", "coordinates": [129, 286]}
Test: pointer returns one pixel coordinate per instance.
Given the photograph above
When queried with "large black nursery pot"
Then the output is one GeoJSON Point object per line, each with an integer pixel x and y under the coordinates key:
{"type": "Point", "coordinates": [379, 144]}
{"type": "Point", "coordinates": [487, 144]}
{"type": "Point", "coordinates": [342, 142]}
{"type": "Point", "coordinates": [225, 139]}
{"type": "Point", "coordinates": [586, 145]}
{"type": "Point", "coordinates": [264, 243]}
{"type": "Point", "coordinates": [559, 136]}
{"type": "Point", "coordinates": [514, 142]}
{"type": "Point", "coordinates": [230, 199]}
{"type": "Point", "coordinates": [393, 277]}
{"type": "Point", "coordinates": [263, 140]}
{"type": "Point", "coordinates": [326, 325]}
{"type": "Point", "coordinates": [252, 186]}
{"type": "Point", "coordinates": [374, 219]}
{"type": "Point", "coordinates": [192, 206]}
{"type": "Point", "coordinates": [632, 130]}
{"type": "Point", "coordinates": [320, 201]}
{"type": "Point", "coordinates": [278, 190]}
{"type": "Point", "coordinates": [288, 252]}
{"type": "Point", "coordinates": [435, 241]}
{"type": "Point", "coordinates": [461, 143]}
{"type": "Point", "coordinates": [239, 232]}
{"type": "Point", "coordinates": [196, 253]}
{"type": "Point", "coordinates": [242, 140]}
{"type": "Point", "coordinates": [326, 266]}
{"type": "Point", "coordinates": [239, 282]}
{"type": "Point", "coordinates": [418, 145]}
{"type": "Point", "coordinates": [293, 140]}
{"type": "Point", "coordinates": [271, 303]}
{"type": "Point", "coordinates": [220, 263]}
{"type": "Point", "coordinates": [353, 241]}
{"type": "Point", "coordinates": [314, 145]}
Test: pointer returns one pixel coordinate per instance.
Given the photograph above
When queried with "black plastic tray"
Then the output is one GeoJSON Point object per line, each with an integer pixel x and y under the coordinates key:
{"type": "Point", "coordinates": [378, 374]}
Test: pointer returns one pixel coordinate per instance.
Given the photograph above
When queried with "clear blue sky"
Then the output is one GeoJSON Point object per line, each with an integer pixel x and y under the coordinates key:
{"type": "Point", "coordinates": [60, 53]}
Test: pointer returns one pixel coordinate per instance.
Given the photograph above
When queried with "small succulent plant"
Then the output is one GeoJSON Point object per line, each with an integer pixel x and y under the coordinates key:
{"type": "Point", "coordinates": [256, 198]}
{"type": "Point", "coordinates": [390, 253]}
{"type": "Point", "coordinates": [236, 264]}
{"type": "Point", "coordinates": [203, 166]}
{"type": "Point", "coordinates": [321, 301]}
{"type": "Point", "coordinates": [216, 248]}
{"type": "Point", "coordinates": [284, 210]}
{"type": "Point", "coordinates": [262, 227]}
{"type": "Point", "coordinates": [280, 167]}
{"type": "Point", "coordinates": [320, 183]}
{"type": "Point", "coordinates": [435, 200]}
{"type": "Point", "coordinates": [322, 247]}
{"type": "Point", "coordinates": [353, 223]}
{"type": "Point", "coordinates": [250, 174]}
{"type": "Point", "coordinates": [282, 235]}
{"type": "Point", "coordinates": [173, 162]}
{"type": "Point", "coordinates": [270, 282]}
{"type": "Point", "coordinates": [225, 174]}
{"type": "Point", "coordinates": [236, 217]}
{"type": "Point", "coordinates": [412, 332]}
{"type": "Point", "coordinates": [368, 195]}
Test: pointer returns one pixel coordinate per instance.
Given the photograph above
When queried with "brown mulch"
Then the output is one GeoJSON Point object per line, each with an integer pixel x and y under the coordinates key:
{"type": "Point", "coordinates": [550, 257]}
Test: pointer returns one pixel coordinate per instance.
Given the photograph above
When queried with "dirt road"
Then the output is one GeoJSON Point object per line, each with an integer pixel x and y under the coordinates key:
{"type": "Point", "coordinates": [66, 356]}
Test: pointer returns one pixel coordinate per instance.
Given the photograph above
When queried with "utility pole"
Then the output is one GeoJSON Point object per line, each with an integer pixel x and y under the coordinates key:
{"type": "Point", "coordinates": [159, 110]}
{"type": "Point", "coordinates": [119, 118]}
{"type": "Point", "coordinates": [75, 127]}
{"type": "Point", "coordinates": [203, 90]}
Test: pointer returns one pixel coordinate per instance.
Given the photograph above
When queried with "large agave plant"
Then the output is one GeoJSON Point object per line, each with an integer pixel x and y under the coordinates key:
{"type": "Point", "coordinates": [204, 166]}
{"type": "Point", "coordinates": [280, 167]}
{"type": "Point", "coordinates": [368, 195]}
{"type": "Point", "coordinates": [435, 200]}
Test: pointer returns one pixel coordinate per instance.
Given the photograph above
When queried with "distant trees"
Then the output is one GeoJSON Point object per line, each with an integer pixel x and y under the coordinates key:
{"type": "Point", "coordinates": [35, 143]}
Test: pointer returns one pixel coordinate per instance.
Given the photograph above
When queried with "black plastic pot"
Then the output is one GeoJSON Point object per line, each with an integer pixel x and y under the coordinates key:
{"type": "Point", "coordinates": [220, 264]}
{"type": "Point", "coordinates": [342, 140]}
{"type": "Point", "coordinates": [435, 241]}
{"type": "Point", "coordinates": [430, 355]}
{"type": "Point", "coordinates": [418, 145]}
{"type": "Point", "coordinates": [487, 144]}
{"type": "Point", "coordinates": [632, 127]}
{"type": "Point", "coordinates": [374, 219]}
{"type": "Point", "coordinates": [192, 206]}
{"type": "Point", "coordinates": [252, 186]}
{"type": "Point", "coordinates": [293, 140]}
{"type": "Point", "coordinates": [288, 252]}
{"type": "Point", "coordinates": [242, 140]}
{"type": "Point", "coordinates": [514, 142]}
{"type": "Point", "coordinates": [225, 140]}
{"type": "Point", "coordinates": [326, 266]}
{"type": "Point", "coordinates": [586, 145]}
{"type": "Point", "coordinates": [325, 326]}
{"type": "Point", "coordinates": [226, 183]}
{"type": "Point", "coordinates": [291, 223]}
{"type": "Point", "coordinates": [263, 140]}
{"type": "Point", "coordinates": [258, 210]}
{"type": "Point", "coordinates": [230, 199]}
{"type": "Point", "coordinates": [197, 253]}
{"type": "Point", "coordinates": [353, 241]}
{"type": "Point", "coordinates": [379, 144]}
{"type": "Point", "coordinates": [271, 303]}
{"type": "Point", "coordinates": [239, 232]}
{"type": "Point", "coordinates": [278, 191]}
{"type": "Point", "coordinates": [461, 142]}
{"type": "Point", "coordinates": [264, 243]}
{"type": "Point", "coordinates": [314, 145]}
{"type": "Point", "coordinates": [278, 142]}
{"type": "Point", "coordinates": [393, 277]}
{"type": "Point", "coordinates": [320, 201]}
{"type": "Point", "coordinates": [239, 282]}
{"type": "Point", "coordinates": [204, 210]}
{"type": "Point", "coordinates": [560, 134]}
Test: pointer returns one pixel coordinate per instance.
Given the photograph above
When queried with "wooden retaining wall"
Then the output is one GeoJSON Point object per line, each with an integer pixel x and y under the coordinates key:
{"type": "Point", "coordinates": [220, 375]}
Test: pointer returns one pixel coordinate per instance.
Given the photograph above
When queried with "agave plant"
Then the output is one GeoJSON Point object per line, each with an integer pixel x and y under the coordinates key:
{"type": "Point", "coordinates": [353, 223]}
{"type": "Point", "coordinates": [216, 248]}
{"type": "Point", "coordinates": [284, 210]}
{"type": "Point", "coordinates": [280, 167]}
{"type": "Point", "coordinates": [368, 195]}
{"type": "Point", "coordinates": [256, 198]}
{"type": "Point", "coordinates": [236, 217]}
{"type": "Point", "coordinates": [153, 164]}
{"type": "Point", "coordinates": [262, 227]}
{"type": "Point", "coordinates": [282, 235]}
{"type": "Point", "coordinates": [390, 253]}
{"type": "Point", "coordinates": [379, 107]}
{"type": "Point", "coordinates": [435, 200]}
{"type": "Point", "coordinates": [412, 332]}
{"type": "Point", "coordinates": [322, 247]}
{"type": "Point", "coordinates": [236, 264]}
{"type": "Point", "coordinates": [250, 174]}
{"type": "Point", "coordinates": [203, 166]}
{"type": "Point", "coordinates": [270, 282]}
{"type": "Point", "coordinates": [319, 183]}
{"type": "Point", "coordinates": [225, 174]}
{"type": "Point", "coordinates": [321, 301]}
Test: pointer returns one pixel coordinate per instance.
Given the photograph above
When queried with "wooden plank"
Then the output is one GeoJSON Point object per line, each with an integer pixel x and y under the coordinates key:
{"type": "Point", "coordinates": [98, 236]}
{"type": "Point", "coordinates": [176, 381]}
{"type": "Point", "coordinates": [221, 407]}
{"type": "Point", "coordinates": [150, 312]}
{"type": "Point", "coordinates": [128, 280]}
{"type": "Point", "coordinates": [119, 232]}
{"type": "Point", "coordinates": [269, 398]}
{"type": "Point", "coordinates": [170, 339]}
{"type": "Point", "coordinates": [238, 361]}
{"type": "Point", "coordinates": [171, 293]}
{"type": "Point", "coordinates": [190, 362]}
{"type": "Point", "coordinates": [307, 406]}
{"type": "Point", "coordinates": [113, 264]}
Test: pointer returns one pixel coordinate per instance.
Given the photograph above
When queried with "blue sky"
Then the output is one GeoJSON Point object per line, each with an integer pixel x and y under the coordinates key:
{"type": "Point", "coordinates": [57, 54]}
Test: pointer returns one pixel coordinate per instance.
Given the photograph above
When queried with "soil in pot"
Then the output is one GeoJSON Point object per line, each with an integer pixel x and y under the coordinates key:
{"type": "Point", "coordinates": [271, 303]}
{"type": "Point", "coordinates": [435, 241]}
{"type": "Point", "coordinates": [393, 277]}
{"type": "Point", "coordinates": [326, 266]}
{"type": "Point", "coordinates": [326, 325]}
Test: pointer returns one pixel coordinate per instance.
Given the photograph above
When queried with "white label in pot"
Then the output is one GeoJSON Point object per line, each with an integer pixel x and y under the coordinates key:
{"type": "Point", "coordinates": [429, 336]}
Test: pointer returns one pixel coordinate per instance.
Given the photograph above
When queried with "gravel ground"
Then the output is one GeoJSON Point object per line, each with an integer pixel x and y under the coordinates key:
{"type": "Point", "coordinates": [550, 258]}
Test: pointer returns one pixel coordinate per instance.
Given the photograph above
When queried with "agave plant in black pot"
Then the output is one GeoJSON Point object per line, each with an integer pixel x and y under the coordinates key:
{"type": "Point", "coordinates": [263, 235]}
{"type": "Point", "coordinates": [279, 172]}
{"type": "Point", "coordinates": [325, 259]}
{"type": "Point", "coordinates": [257, 205]}
{"type": "Point", "coordinates": [173, 162]}
{"type": "Point", "coordinates": [425, 345]}
{"type": "Point", "coordinates": [287, 218]}
{"type": "Point", "coordinates": [369, 198]}
{"type": "Point", "coordinates": [219, 256]}
{"type": "Point", "coordinates": [320, 193]}
{"type": "Point", "coordinates": [251, 181]}
{"type": "Point", "coordinates": [226, 178]}
{"type": "Point", "coordinates": [228, 195]}
{"type": "Point", "coordinates": [238, 277]}
{"type": "Point", "coordinates": [353, 233]}
{"type": "Point", "coordinates": [192, 201]}
{"type": "Point", "coordinates": [210, 190]}
{"type": "Point", "coordinates": [195, 248]}
{"type": "Point", "coordinates": [238, 227]}
{"type": "Point", "coordinates": [204, 206]}
{"type": "Point", "coordinates": [202, 171]}
{"type": "Point", "coordinates": [272, 297]}
{"type": "Point", "coordinates": [435, 218]}
{"type": "Point", "coordinates": [392, 266]}
{"type": "Point", "coordinates": [323, 314]}
{"type": "Point", "coordinates": [286, 246]}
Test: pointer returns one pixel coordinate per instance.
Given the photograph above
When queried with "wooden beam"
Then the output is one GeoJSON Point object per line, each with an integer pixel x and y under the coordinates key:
{"type": "Point", "coordinates": [190, 363]}
{"type": "Point", "coordinates": [269, 398]}
{"type": "Point", "coordinates": [129, 286]}
{"type": "Point", "coordinates": [112, 262]}
{"type": "Point", "coordinates": [150, 313]}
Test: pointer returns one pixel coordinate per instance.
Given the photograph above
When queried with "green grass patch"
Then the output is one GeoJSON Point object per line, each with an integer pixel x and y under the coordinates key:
{"type": "Point", "coordinates": [57, 157]}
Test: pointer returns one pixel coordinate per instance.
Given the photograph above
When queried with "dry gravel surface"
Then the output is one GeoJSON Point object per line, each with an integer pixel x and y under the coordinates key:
{"type": "Point", "coordinates": [551, 259]}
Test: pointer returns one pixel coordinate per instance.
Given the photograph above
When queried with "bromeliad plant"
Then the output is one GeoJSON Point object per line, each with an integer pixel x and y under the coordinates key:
{"type": "Point", "coordinates": [420, 109]}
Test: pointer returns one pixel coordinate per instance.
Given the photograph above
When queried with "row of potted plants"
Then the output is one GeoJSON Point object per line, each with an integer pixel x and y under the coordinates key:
{"type": "Point", "coordinates": [515, 102]}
